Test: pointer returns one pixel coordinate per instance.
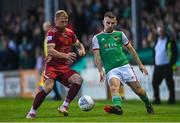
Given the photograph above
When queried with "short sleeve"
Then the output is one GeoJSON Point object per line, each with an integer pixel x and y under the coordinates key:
{"type": "Point", "coordinates": [124, 39]}
{"type": "Point", "coordinates": [50, 38]}
{"type": "Point", "coordinates": [95, 44]}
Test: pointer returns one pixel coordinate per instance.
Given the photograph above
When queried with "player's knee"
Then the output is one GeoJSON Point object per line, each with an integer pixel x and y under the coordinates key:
{"type": "Point", "coordinates": [48, 89]}
{"type": "Point", "coordinates": [48, 86]}
{"type": "Point", "coordinates": [78, 80]}
{"type": "Point", "coordinates": [81, 80]}
{"type": "Point", "coordinates": [114, 89]}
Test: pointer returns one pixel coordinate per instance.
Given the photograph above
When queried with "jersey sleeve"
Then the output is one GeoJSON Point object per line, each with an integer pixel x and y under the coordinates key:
{"type": "Point", "coordinates": [50, 38]}
{"type": "Point", "coordinates": [125, 39]}
{"type": "Point", "coordinates": [95, 44]}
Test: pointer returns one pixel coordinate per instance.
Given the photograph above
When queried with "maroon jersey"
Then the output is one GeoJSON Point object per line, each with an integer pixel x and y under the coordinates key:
{"type": "Point", "coordinates": [63, 41]}
{"type": "Point", "coordinates": [58, 68]}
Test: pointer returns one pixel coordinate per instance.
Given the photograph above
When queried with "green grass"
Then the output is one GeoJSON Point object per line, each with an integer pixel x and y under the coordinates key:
{"type": "Point", "coordinates": [14, 109]}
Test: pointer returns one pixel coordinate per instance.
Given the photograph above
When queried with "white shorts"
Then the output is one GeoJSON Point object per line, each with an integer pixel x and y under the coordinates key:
{"type": "Point", "coordinates": [124, 73]}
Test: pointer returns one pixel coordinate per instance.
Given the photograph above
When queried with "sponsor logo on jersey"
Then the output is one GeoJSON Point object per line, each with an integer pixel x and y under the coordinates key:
{"type": "Point", "coordinates": [111, 45]}
{"type": "Point", "coordinates": [105, 46]}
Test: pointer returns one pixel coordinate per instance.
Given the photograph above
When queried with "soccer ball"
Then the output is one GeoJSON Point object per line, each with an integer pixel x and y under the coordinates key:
{"type": "Point", "coordinates": [86, 103]}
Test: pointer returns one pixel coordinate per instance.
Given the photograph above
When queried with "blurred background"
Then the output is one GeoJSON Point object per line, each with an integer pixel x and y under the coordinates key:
{"type": "Point", "coordinates": [22, 37]}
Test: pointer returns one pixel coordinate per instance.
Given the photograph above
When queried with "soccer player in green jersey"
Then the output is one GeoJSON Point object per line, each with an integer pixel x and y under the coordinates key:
{"type": "Point", "coordinates": [108, 52]}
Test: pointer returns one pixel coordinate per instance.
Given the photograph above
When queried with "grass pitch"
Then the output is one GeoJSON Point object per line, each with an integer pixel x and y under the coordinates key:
{"type": "Point", "coordinates": [15, 109]}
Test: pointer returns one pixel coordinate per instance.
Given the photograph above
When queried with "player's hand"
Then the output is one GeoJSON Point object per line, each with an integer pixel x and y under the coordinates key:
{"type": "Point", "coordinates": [143, 69]}
{"type": "Point", "coordinates": [102, 76]}
{"type": "Point", "coordinates": [48, 58]}
{"type": "Point", "coordinates": [81, 52]}
{"type": "Point", "coordinates": [71, 57]}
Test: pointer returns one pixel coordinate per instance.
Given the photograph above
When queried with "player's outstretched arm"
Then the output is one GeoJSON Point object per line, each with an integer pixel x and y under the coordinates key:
{"type": "Point", "coordinates": [136, 58]}
{"type": "Point", "coordinates": [98, 63]}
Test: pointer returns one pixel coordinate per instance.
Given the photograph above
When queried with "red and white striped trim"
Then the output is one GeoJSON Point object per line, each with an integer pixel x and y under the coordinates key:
{"type": "Point", "coordinates": [126, 44]}
{"type": "Point", "coordinates": [96, 49]}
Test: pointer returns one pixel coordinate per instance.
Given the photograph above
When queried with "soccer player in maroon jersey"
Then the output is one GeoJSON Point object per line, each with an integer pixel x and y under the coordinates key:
{"type": "Point", "coordinates": [59, 42]}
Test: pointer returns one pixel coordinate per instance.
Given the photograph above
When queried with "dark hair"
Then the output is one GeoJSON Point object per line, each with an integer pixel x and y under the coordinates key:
{"type": "Point", "coordinates": [110, 15]}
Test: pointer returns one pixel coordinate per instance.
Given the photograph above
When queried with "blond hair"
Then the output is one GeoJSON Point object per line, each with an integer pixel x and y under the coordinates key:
{"type": "Point", "coordinates": [61, 13]}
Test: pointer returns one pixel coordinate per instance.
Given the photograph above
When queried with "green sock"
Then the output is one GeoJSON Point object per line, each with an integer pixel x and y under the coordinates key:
{"type": "Point", "coordinates": [145, 100]}
{"type": "Point", "coordinates": [116, 100]}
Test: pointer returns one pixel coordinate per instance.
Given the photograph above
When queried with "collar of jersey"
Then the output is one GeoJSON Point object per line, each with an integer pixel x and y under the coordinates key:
{"type": "Point", "coordinates": [107, 32]}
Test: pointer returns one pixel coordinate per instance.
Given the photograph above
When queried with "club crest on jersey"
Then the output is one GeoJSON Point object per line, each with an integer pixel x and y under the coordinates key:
{"type": "Point", "coordinates": [49, 38]}
{"type": "Point", "coordinates": [116, 37]}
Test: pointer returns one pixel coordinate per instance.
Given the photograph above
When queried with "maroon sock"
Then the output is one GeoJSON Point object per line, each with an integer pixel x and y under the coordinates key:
{"type": "Point", "coordinates": [39, 99]}
{"type": "Point", "coordinates": [73, 91]}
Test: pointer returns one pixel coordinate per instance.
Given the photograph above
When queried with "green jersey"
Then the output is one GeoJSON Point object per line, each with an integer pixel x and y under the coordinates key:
{"type": "Point", "coordinates": [110, 47]}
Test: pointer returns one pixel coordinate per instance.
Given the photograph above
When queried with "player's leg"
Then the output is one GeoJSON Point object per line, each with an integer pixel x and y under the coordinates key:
{"type": "Point", "coordinates": [57, 96]}
{"type": "Point", "coordinates": [170, 84]}
{"type": "Point", "coordinates": [121, 91]}
{"type": "Point", "coordinates": [114, 85]}
{"type": "Point", "coordinates": [39, 98]}
{"type": "Point", "coordinates": [157, 79]}
{"type": "Point", "coordinates": [75, 82]}
{"type": "Point", "coordinates": [136, 87]}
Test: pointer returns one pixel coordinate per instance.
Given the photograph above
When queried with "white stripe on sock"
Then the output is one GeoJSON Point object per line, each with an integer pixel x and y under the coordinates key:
{"type": "Point", "coordinates": [65, 103]}
{"type": "Point", "coordinates": [32, 110]}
